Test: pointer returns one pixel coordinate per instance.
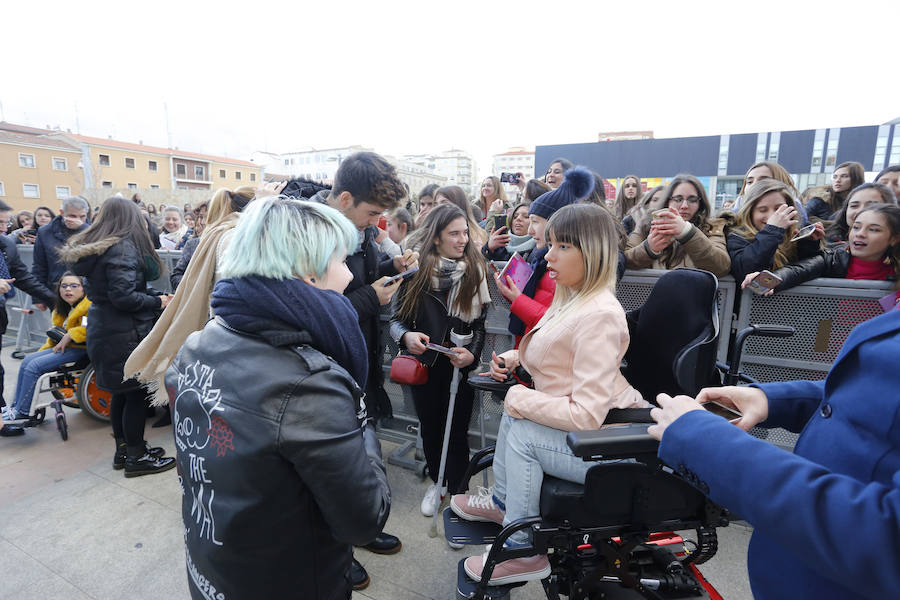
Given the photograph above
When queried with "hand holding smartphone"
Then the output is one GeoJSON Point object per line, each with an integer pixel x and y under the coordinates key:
{"type": "Point", "coordinates": [403, 275]}
{"type": "Point", "coordinates": [723, 411]}
{"type": "Point", "coordinates": [441, 349]}
{"type": "Point", "coordinates": [805, 232]}
{"type": "Point", "coordinates": [764, 282]}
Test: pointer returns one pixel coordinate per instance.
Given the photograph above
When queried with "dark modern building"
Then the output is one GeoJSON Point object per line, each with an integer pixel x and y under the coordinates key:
{"type": "Point", "coordinates": [720, 161]}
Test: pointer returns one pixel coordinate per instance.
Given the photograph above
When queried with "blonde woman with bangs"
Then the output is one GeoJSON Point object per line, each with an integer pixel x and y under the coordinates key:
{"type": "Point", "coordinates": [766, 222]}
{"type": "Point", "coordinates": [573, 355]}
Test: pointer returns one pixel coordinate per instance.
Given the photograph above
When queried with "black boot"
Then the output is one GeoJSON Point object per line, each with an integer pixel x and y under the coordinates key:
{"type": "Point", "coordinates": [358, 576]}
{"type": "Point", "coordinates": [119, 456]}
{"type": "Point", "coordinates": [139, 462]}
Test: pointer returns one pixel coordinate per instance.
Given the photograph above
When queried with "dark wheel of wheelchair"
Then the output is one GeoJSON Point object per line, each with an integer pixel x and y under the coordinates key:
{"type": "Point", "coordinates": [39, 415]}
{"type": "Point", "coordinates": [62, 426]}
{"type": "Point", "coordinates": [91, 399]}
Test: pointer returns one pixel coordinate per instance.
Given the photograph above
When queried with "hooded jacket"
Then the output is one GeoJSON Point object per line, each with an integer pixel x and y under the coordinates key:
{"type": "Point", "coordinates": [279, 474]}
{"type": "Point", "coordinates": [123, 309]}
{"type": "Point", "coordinates": [47, 266]}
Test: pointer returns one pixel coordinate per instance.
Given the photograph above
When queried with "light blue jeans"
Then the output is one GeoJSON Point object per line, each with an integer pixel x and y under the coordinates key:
{"type": "Point", "coordinates": [525, 451]}
{"type": "Point", "coordinates": [36, 365]}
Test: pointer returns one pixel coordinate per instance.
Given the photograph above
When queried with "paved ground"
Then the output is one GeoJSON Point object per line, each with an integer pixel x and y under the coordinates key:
{"type": "Point", "coordinates": [71, 527]}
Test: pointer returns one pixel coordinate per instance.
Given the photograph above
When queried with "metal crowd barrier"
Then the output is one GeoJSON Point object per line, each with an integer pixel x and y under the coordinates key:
{"type": "Point", "coordinates": [823, 311]}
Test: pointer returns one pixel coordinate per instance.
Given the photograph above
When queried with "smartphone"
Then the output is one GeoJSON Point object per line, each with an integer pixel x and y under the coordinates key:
{"type": "Point", "coordinates": [659, 214]}
{"type": "Point", "coordinates": [804, 233]}
{"type": "Point", "coordinates": [31, 232]}
{"type": "Point", "coordinates": [512, 178]}
{"type": "Point", "coordinates": [403, 275]}
{"type": "Point", "coordinates": [765, 281]}
{"type": "Point", "coordinates": [441, 349]}
{"type": "Point", "coordinates": [382, 222]}
{"type": "Point", "coordinates": [723, 411]}
{"type": "Point", "coordinates": [499, 221]}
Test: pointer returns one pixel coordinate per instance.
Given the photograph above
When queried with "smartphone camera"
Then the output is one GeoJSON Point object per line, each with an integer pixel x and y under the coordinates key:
{"type": "Point", "coordinates": [512, 178]}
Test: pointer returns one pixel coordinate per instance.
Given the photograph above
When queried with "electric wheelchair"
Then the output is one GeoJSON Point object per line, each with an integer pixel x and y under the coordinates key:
{"type": "Point", "coordinates": [612, 536]}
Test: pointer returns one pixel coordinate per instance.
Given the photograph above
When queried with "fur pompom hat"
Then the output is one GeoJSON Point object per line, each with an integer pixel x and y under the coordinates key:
{"type": "Point", "coordinates": [577, 185]}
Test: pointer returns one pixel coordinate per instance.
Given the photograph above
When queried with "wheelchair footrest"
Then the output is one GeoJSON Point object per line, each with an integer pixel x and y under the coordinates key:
{"type": "Point", "coordinates": [460, 531]}
{"type": "Point", "coordinates": [466, 588]}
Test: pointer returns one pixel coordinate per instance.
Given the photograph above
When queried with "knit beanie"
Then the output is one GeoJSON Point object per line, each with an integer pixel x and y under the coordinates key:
{"type": "Point", "coordinates": [577, 185]}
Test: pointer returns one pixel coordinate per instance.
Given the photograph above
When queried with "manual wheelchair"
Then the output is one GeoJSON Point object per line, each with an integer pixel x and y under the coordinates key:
{"type": "Point", "coordinates": [612, 536]}
{"type": "Point", "coordinates": [73, 385]}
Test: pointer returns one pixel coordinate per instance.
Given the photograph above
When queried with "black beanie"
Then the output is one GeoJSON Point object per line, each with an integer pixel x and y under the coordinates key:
{"type": "Point", "coordinates": [577, 185]}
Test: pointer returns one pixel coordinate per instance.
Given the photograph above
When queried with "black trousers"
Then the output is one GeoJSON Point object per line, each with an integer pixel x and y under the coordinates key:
{"type": "Point", "coordinates": [4, 322]}
{"type": "Point", "coordinates": [432, 400]}
{"type": "Point", "coordinates": [127, 414]}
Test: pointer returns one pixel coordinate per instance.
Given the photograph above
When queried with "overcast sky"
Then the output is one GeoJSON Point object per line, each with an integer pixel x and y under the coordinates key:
{"type": "Point", "coordinates": [417, 77]}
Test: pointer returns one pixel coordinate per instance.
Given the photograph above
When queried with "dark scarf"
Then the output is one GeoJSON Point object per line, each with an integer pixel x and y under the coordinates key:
{"type": "Point", "coordinates": [537, 262]}
{"type": "Point", "coordinates": [258, 303]}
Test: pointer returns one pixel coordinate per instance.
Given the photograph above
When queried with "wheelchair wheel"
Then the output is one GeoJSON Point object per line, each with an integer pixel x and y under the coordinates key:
{"type": "Point", "coordinates": [62, 426]}
{"type": "Point", "coordinates": [39, 415]}
{"type": "Point", "coordinates": [92, 400]}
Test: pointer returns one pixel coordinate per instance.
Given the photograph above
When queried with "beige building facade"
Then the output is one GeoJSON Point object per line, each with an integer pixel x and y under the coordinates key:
{"type": "Point", "coordinates": [36, 171]}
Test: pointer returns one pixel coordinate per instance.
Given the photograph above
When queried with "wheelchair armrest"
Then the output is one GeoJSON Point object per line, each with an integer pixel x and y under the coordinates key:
{"type": "Point", "coordinates": [489, 384]}
{"type": "Point", "coordinates": [733, 374]}
{"type": "Point", "coordinates": [773, 330]}
{"type": "Point", "coordinates": [627, 441]}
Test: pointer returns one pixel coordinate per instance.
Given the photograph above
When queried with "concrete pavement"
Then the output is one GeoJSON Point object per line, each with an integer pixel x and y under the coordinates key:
{"type": "Point", "coordinates": [73, 528]}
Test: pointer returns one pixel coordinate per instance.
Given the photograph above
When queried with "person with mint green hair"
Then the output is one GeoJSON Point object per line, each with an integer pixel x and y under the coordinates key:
{"type": "Point", "coordinates": [272, 437]}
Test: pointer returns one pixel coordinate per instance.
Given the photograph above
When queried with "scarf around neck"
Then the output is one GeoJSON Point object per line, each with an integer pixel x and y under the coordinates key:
{"type": "Point", "coordinates": [447, 277]}
{"type": "Point", "coordinates": [255, 303]}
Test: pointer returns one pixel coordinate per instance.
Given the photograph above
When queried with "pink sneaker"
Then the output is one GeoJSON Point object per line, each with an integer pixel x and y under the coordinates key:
{"type": "Point", "coordinates": [529, 568]}
{"type": "Point", "coordinates": [477, 508]}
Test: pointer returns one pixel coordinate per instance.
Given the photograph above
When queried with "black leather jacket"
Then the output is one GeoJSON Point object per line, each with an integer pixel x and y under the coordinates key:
{"type": "Point", "coordinates": [279, 474]}
{"type": "Point", "coordinates": [434, 320]}
{"type": "Point", "coordinates": [830, 262]}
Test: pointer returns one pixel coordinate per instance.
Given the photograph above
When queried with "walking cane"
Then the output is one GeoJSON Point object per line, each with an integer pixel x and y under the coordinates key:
{"type": "Point", "coordinates": [459, 341]}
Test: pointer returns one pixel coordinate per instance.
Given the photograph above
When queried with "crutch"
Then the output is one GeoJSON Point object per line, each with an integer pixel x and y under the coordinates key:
{"type": "Point", "coordinates": [458, 341]}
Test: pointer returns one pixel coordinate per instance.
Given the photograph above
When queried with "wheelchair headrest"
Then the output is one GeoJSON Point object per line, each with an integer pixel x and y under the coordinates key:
{"type": "Point", "coordinates": [679, 314]}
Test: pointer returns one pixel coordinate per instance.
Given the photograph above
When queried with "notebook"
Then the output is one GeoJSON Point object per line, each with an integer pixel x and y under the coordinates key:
{"type": "Point", "coordinates": [517, 268]}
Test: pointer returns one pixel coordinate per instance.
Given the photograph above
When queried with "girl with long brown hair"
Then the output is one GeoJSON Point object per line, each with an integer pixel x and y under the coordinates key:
{"type": "Point", "coordinates": [448, 293]}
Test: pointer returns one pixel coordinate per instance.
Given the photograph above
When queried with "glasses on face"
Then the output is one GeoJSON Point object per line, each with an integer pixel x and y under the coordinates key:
{"type": "Point", "coordinates": [69, 286]}
{"type": "Point", "coordinates": [689, 199]}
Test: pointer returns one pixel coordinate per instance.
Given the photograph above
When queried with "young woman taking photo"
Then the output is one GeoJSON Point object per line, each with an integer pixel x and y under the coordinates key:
{"type": "Point", "coordinates": [684, 235]}
{"type": "Point", "coordinates": [573, 355]}
{"type": "Point", "coordinates": [115, 256]}
{"type": "Point", "coordinates": [765, 224]}
{"type": "Point", "coordinates": [449, 293]}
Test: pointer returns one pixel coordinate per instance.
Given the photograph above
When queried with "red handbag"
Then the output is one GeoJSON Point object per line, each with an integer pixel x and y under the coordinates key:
{"type": "Point", "coordinates": [408, 370]}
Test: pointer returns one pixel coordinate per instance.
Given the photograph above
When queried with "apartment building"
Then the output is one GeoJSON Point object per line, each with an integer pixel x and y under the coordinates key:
{"type": "Point", "coordinates": [514, 160]}
{"type": "Point", "coordinates": [36, 170]}
{"type": "Point", "coordinates": [457, 167]}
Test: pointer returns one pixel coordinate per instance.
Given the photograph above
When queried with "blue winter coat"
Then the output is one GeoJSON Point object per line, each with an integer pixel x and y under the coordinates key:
{"type": "Point", "coordinates": [827, 517]}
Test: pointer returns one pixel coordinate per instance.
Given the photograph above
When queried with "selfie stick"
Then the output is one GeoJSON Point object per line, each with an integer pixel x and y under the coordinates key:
{"type": "Point", "coordinates": [458, 341]}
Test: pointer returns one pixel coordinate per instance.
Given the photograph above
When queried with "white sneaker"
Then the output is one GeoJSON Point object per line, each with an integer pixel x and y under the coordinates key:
{"type": "Point", "coordinates": [455, 546]}
{"type": "Point", "coordinates": [430, 500]}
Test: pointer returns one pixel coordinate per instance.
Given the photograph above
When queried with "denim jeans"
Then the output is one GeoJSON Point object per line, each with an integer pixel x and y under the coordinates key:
{"type": "Point", "coordinates": [36, 365]}
{"type": "Point", "coordinates": [526, 450]}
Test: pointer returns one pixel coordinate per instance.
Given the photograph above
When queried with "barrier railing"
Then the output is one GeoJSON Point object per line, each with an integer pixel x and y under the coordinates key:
{"type": "Point", "coordinates": [823, 311]}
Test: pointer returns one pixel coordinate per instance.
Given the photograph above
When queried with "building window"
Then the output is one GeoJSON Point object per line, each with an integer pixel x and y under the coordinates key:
{"type": "Point", "coordinates": [222, 173]}
{"type": "Point", "coordinates": [198, 172]}
{"type": "Point", "coordinates": [237, 175]}
{"type": "Point", "coordinates": [2, 189]}
{"type": "Point", "coordinates": [881, 147]}
{"type": "Point", "coordinates": [62, 191]}
{"type": "Point", "coordinates": [834, 136]}
{"type": "Point", "coordinates": [761, 139]}
{"type": "Point", "coordinates": [252, 176]}
{"type": "Point", "coordinates": [818, 147]}
{"type": "Point", "coordinates": [152, 165]}
{"type": "Point", "coordinates": [106, 184]}
{"type": "Point", "coordinates": [132, 186]}
{"type": "Point", "coordinates": [287, 162]}
{"type": "Point", "coordinates": [723, 154]}
{"type": "Point", "coordinates": [129, 163]}
{"type": "Point", "coordinates": [60, 164]}
{"type": "Point", "coordinates": [104, 160]}
{"type": "Point", "coordinates": [180, 170]}
{"type": "Point", "coordinates": [774, 143]}
{"type": "Point", "coordinates": [26, 160]}
{"type": "Point", "coordinates": [182, 187]}
{"type": "Point", "coordinates": [153, 186]}
{"type": "Point", "coordinates": [31, 190]}
{"type": "Point", "coordinates": [895, 147]}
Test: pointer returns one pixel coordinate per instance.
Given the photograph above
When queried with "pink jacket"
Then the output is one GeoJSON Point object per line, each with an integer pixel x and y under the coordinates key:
{"type": "Point", "coordinates": [575, 366]}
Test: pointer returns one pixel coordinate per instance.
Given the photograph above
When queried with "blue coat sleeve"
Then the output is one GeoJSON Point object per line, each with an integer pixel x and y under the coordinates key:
{"type": "Point", "coordinates": [842, 528]}
{"type": "Point", "coordinates": [792, 403]}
